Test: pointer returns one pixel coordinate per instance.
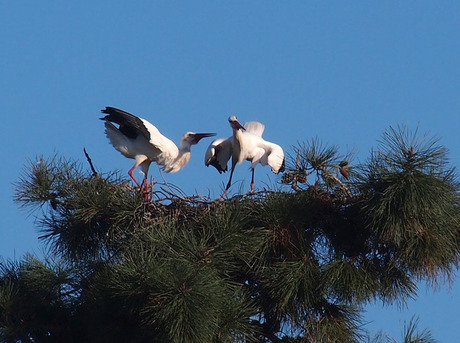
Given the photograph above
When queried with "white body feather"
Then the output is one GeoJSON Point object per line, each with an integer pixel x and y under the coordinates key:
{"type": "Point", "coordinates": [138, 139]}
{"type": "Point", "coordinates": [246, 145]}
{"type": "Point", "coordinates": [159, 149]}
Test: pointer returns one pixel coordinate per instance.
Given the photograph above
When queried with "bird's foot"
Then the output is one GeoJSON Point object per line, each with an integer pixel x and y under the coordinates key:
{"type": "Point", "coordinates": [222, 196]}
{"type": "Point", "coordinates": [251, 192]}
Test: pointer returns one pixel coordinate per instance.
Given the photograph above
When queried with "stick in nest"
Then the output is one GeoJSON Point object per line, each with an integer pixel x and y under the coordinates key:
{"type": "Point", "coordinates": [90, 163]}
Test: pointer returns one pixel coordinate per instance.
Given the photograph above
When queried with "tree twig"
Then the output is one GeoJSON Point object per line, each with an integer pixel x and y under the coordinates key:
{"type": "Point", "coordinates": [90, 162]}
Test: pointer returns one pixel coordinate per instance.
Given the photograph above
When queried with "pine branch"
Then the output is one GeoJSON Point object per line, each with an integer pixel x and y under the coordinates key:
{"type": "Point", "coordinates": [190, 269]}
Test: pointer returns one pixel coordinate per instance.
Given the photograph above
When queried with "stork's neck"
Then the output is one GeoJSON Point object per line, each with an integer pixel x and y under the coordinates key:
{"type": "Point", "coordinates": [238, 145]}
{"type": "Point", "coordinates": [182, 158]}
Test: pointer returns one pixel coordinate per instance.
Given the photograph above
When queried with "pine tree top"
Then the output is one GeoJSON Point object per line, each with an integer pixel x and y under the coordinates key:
{"type": "Point", "coordinates": [295, 264]}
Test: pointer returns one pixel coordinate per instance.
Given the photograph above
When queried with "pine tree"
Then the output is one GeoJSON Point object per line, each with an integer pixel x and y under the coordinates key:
{"type": "Point", "coordinates": [291, 265]}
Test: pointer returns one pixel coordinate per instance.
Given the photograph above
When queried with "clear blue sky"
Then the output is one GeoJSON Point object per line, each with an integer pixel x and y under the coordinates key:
{"type": "Point", "coordinates": [340, 71]}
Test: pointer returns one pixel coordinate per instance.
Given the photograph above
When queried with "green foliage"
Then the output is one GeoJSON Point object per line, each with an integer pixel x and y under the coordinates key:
{"type": "Point", "coordinates": [411, 199]}
{"type": "Point", "coordinates": [35, 301]}
{"type": "Point", "coordinates": [86, 216]}
{"type": "Point", "coordinates": [285, 266]}
{"type": "Point", "coordinates": [410, 334]}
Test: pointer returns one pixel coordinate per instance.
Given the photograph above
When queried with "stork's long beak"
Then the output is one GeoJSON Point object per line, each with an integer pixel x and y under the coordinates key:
{"type": "Point", "coordinates": [199, 136]}
{"type": "Point", "coordinates": [236, 125]}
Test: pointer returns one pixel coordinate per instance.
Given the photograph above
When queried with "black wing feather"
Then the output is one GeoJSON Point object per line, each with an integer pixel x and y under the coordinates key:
{"type": "Point", "coordinates": [213, 161]}
{"type": "Point", "coordinates": [129, 125]}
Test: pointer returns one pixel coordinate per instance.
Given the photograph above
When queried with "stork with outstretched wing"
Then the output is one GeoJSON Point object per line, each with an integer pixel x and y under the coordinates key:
{"type": "Point", "coordinates": [138, 139]}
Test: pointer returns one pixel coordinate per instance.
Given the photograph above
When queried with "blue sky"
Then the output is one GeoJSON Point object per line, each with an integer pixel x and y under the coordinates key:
{"type": "Point", "coordinates": [340, 71]}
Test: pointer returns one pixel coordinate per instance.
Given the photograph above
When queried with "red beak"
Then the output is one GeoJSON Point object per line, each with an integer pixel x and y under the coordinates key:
{"type": "Point", "coordinates": [236, 125]}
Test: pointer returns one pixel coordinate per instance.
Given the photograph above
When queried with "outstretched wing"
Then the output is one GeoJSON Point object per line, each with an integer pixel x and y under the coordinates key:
{"type": "Point", "coordinates": [129, 125]}
{"type": "Point", "coordinates": [276, 158]}
{"type": "Point", "coordinates": [254, 127]}
{"type": "Point", "coordinates": [257, 150]}
{"type": "Point", "coordinates": [137, 136]}
{"type": "Point", "coordinates": [218, 153]}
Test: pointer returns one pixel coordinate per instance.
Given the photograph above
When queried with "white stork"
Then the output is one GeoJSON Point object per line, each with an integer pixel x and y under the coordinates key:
{"type": "Point", "coordinates": [138, 139]}
{"type": "Point", "coordinates": [245, 144]}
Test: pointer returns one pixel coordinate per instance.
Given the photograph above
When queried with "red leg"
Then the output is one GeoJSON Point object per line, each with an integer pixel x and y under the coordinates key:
{"type": "Point", "coordinates": [252, 181]}
{"type": "Point", "coordinates": [146, 189]}
{"type": "Point", "coordinates": [229, 183]}
{"type": "Point", "coordinates": [130, 173]}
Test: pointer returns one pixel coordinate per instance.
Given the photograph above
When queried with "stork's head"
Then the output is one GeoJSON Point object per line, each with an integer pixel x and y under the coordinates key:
{"type": "Point", "coordinates": [235, 124]}
{"type": "Point", "coordinates": [192, 138]}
